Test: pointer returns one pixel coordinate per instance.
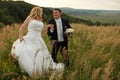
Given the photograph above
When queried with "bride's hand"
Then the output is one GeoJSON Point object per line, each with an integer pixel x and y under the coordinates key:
{"type": "Point", "coordinates": [21, 39]}
{"type": "Point", "coordinates": [13, 57]}
{"type": "Point", "coordinates": [51, 26]}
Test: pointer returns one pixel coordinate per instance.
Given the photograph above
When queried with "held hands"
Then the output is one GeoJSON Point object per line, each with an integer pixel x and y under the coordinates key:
{"type": "Point", "coordinates": [51, 26]}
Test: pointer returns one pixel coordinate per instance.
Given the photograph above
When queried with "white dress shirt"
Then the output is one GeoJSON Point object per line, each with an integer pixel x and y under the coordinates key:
{"type": "Point", "coordinates": [59, 29]}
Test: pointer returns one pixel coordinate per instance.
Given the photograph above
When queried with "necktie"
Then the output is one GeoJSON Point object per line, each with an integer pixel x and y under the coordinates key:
{"type": "Point", "coordinates": [60, 31]}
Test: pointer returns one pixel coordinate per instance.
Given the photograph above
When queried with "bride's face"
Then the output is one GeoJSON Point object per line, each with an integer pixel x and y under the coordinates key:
{"type": "Point", "coordinates": [56, 14]}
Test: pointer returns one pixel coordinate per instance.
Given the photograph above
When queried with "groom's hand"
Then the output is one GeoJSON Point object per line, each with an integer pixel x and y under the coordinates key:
{"type": "Point", "coordinates": [69, 36]}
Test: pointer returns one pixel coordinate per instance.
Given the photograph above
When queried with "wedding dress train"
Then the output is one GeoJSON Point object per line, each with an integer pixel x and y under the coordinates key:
{"type": "Point", "coordinates": [32, 53]}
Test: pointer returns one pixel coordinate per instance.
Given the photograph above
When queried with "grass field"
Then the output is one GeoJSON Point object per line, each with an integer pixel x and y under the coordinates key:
{"type": "Point", "coordinates": [94, 53]}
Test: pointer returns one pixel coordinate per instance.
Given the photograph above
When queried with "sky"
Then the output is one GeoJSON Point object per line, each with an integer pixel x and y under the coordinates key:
{"type": "Point", "coordinates": [79, 4]}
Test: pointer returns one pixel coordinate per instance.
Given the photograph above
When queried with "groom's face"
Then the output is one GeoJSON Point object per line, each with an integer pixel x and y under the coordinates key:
{"type": "Point", "coordinates": [56, 14]}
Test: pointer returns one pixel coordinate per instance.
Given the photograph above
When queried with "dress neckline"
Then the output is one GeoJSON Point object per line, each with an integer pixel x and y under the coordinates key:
{"type": "Point", "coordinates": [36, 20]}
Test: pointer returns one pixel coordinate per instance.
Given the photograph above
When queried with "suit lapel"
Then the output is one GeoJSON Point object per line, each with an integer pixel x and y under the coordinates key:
{"type": "Point", "coordinates": [62, 24]}
{"type": "Point", "coordinates": [55, 25]}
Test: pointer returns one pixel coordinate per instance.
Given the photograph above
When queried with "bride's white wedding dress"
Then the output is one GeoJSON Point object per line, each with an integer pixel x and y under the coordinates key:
{"type": "Point", "coordinates": [32, 53]}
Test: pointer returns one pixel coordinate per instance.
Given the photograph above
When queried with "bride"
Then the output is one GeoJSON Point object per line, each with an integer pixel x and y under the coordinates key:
{"type": "Point", "coordinates": [31, 51]}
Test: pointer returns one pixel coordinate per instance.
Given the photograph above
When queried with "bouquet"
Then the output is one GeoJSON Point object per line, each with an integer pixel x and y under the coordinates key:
{"type": "Point", "coordinates": [69, 32]}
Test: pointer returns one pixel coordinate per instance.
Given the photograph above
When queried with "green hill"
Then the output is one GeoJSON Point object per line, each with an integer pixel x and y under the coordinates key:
{"type": "Point", "coordinates": [102, 16]}
{"type": "Point", "coordinates": [16, 11]}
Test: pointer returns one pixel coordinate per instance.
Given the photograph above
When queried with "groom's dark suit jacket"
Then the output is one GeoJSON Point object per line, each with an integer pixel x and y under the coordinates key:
{"type": "Point", "coordinates": [53, 35]}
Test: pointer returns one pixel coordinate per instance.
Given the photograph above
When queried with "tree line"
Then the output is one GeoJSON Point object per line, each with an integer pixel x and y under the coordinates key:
{"type": "Point", "coordinates": [16, 12]}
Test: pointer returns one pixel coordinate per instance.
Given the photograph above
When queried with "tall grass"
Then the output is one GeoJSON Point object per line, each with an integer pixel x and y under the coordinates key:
{"type": "Point", "coordinates": [94, 53]}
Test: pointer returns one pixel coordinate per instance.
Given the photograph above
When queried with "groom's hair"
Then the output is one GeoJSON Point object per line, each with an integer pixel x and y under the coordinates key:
{"type": "Point", "coordinates": [57, 9]}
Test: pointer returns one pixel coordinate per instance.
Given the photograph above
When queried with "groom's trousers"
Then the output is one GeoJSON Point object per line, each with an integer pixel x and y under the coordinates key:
{"type": "Point", "coordinates": [63, 47]}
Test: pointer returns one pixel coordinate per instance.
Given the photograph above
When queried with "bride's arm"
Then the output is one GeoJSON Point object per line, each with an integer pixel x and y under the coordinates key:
{"type": "Point", "coordinates": [44, 29]}
{"type": "Point", "coordinates": [25, 24]}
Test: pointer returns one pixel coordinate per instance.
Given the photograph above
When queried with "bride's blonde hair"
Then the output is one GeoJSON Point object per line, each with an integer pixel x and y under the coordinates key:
{"type": "Point", "coordinates": [36, 12]}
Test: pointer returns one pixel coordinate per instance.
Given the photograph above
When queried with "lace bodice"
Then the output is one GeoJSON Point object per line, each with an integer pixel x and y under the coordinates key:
{"type": "Point", "coordinates": [35, 27]}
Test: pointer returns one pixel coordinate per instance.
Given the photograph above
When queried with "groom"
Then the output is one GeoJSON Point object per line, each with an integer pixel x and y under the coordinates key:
{"type": "Point", "coordinates": [56, 31]}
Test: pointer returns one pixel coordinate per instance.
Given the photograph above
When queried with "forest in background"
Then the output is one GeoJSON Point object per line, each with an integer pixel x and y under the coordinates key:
{"type": "Point", "coordinates": [16, 11]}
